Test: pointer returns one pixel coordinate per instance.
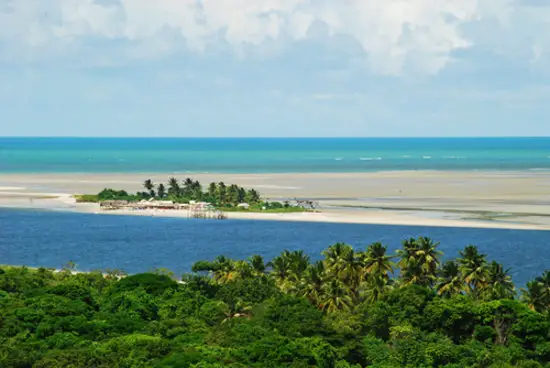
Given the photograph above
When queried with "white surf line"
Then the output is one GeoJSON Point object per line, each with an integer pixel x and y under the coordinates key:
{"type": "Point", "coordinates": [12, 188]}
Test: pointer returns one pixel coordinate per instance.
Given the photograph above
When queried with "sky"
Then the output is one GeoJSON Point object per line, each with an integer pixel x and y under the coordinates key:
{"type": "Point", "coordinates": [282, 68]}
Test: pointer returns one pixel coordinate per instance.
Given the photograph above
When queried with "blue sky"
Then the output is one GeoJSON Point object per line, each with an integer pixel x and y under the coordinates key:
{"type": "Point", "coordinates": [274, 67]}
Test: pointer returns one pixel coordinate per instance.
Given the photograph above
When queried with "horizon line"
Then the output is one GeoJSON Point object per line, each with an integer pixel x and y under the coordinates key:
{"type": "Point", "coordinates": [274, 137]}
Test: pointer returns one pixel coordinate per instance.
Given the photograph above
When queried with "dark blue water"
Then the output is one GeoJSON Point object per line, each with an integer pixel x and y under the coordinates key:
{"type": "Point", "coordinates": [137, 244]}
{"type": "Point", "coordinates": [181, 155]}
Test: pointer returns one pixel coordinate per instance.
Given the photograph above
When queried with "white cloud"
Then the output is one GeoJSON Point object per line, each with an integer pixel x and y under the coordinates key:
{"type": "Point", "coordinates": [397, 36]}
{"type": "Point", "coordinates": [324, 96]}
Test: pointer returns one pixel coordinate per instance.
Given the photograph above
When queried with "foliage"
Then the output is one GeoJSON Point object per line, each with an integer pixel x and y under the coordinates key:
{"type": "Point", "coordinates": [225, 197]}
{"type": "Point", "coordinates": [346, 310]}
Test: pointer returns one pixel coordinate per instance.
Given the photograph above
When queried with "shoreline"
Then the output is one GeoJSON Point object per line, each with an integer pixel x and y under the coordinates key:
{"type": "Point", "coordinates": [385, 217]}
{"type": "Point", "coordinates": [488, 199]}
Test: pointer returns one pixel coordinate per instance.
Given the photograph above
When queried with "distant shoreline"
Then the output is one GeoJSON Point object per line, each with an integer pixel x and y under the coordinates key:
{"type": "Point", "coordinates": [490, 199]}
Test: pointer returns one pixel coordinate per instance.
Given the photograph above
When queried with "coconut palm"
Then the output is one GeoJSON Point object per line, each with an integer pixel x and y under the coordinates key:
{"type": "Point", "coordinates": [222, 192]}
{"type": "Point", "coordinates": [415, 274]}
{"type": "Point", "coordinates": [252, 196]}
{"type": "Point", "coordinates": [537, 293]}
{"type": "Point", "coordinates": [419, 261]}
{"type": "Point", "coordinates": [473, 266]}
{"type": "Point", "coordinates": [241, 195]}
{"type": "Point", "coordinates": [299, 262]}
{"type": "Point", "coordinates": [149, 185]}
{"type": "Point", "coordinates": [173, 187]}
{"type": "Point", "coordinates": [212, 190]}
{"type": "Point", "coordinates": [376, 263]}
{"type": "Point", "coordinates": [311, 285]}
{"type": "Point", "coordinates": [235, 310]}
{"type": "Point", "coordinates": [498, 283]}
{"type": "Point", "coordinates": [258, 265]}
{"type": "Point", "coordinates": [429, 255]}
{"type": "Point", "coordinates": [233, 194]}
{"type": "Point", "coordinates": [450, 281]}
{"type": "Point", "coordinates": [224, 270]}
{"type": "Point", "coordinates": [375, 288]}
{"type": "Point", "coordinates": [545, 281]}
{"type": "Point", "coordinates": [188, 183]}
{"type": "Point", "coordinates": [534, 295]}
{"type": "Point", "coordinates": [281, 271]}
{"type": "Point", "coordinates": [342, 263]}
{"type": "Point", "coordinates": [161, 190]}
{"type": "Point", "coordinates": [336, 296]}
{"type": "Point", "coordinates": [408, 253]}
{"type": "Point", "coordinates": [196, 186]}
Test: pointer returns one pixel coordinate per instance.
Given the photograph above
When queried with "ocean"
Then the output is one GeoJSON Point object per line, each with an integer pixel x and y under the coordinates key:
{"type": "Point", "coordinates": [139, 244]}
{"type": "Point", "coordinates": [270, 155]}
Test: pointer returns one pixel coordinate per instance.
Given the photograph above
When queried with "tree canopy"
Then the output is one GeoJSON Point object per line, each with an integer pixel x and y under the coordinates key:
{"type": "Point", "coordinates": [354, 308]}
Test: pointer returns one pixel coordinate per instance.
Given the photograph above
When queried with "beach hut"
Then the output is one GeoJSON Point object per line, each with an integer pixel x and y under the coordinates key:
{"type": "Point", "coordinates": [244, 206]}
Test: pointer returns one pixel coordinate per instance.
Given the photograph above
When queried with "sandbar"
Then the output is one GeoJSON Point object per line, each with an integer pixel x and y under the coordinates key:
{"type": "Point", "coordinates": [489, 199]}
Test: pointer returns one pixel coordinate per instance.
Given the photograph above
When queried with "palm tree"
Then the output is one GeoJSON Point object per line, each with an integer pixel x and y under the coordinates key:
{"type": "Point", "coordinates": [280, 270]}
{"type": "Point", "coordinates": [545, 281]}
{"type": "Point", "coordinates": [235, 310]}
{"type": "Point", "coordinates": [233, 194]}
{"type": "Point", "coordinates": [188, 183]}
{"type": "Point", "coordinates": [376, 263]}
{"type": "Point", "coordinates": [161, 191]}
{"type": "Point", "coordinates": [311, 286]}
{"type": "Point", "coordinates": [258, 265]}
{"type": "Point", "coordinates": [375, 288]}
{"type": "Point", "coordinates": [224, 270]}
{"type": "Point", "coordinates": [537, 293]}
{"type": "Point", "coordinates": [252, 196]}
{"type": "Point", "coordinates": [212, 190]}
{"type": "Point", "coordinates": [429, 255]}
{"type": "Point", "coordinates": [173, 187]}
{"type": "Point", "coordinates": [299, 262]}
{"type": "Point", "coordinates": [473, 266]}
{"type": "Point", "coordinates": [241, 195]}
{"type": "Point", "coordinates": [408, 253]}
{"type": "Point", "coordinates": [450, 280]}
{"type": "Point", "coordinates": [419, 261]}
{"type": "Point", "coordinates": [534, 296]}
{"type": "Point", "coordinates": [196, 190]}
{"type": "Point", "coordinates": [342, 263]}
{"type": "Point", "coordinates": [499, 284]}
{"type": "Point", "coordinates": [222, 193]}
{"type": "Point", "coordinates": [336, 296]}
{"type": "Point", "coordinates": [414, 274]}
{"type": "Point", "coordinates": [242, 270]}
{"type": "Point", "coordinates": [149, 185]}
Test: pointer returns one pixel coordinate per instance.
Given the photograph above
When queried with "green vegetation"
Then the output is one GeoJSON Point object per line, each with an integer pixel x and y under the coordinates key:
{"type": "Point", "coordinates": [271, 207]}
{"type": "Point", "coordinates": [224, 197]}
{"type": "Point", "coordinates": [86, 198]}
{"type": "Point", "coordinates": [351, 309]}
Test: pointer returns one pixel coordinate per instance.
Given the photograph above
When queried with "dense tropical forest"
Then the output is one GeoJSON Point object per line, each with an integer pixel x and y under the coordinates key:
{"type": "Point", "coordinates": [221, 195]}
{"type": "Point", "coordinates": [353, 308]}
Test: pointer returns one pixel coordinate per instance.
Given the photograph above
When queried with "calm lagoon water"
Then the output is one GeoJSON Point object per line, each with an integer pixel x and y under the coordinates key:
{"type": "Point", "coordinates": [138, 244]}
{"type": "Point", "coordinates": [180, 155]}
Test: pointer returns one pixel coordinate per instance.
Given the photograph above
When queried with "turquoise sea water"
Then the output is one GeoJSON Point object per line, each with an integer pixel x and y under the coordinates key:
{"type": "Point", "coordinates": [180, 155]}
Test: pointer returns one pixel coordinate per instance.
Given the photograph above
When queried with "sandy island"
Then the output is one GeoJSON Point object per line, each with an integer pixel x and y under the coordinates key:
{"type": "Point", "coordinates": [515, 200]}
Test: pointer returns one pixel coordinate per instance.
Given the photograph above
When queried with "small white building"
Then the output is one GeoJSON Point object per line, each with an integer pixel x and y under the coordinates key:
{"type": "Point", "coordinates": [244, 206]}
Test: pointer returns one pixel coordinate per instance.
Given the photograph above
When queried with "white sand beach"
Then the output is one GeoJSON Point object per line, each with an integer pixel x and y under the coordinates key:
{"type": "Point", "coordinates": [518, 200]}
